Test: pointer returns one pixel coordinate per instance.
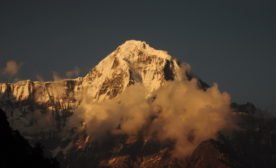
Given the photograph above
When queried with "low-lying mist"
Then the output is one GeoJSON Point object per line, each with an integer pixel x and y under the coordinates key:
{"type": "Point", "coordinates": [179, 111]}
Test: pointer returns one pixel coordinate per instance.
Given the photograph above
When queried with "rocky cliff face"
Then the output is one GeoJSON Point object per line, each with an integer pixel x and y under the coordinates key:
{"type": "Point", "coordinates": [132, 62]}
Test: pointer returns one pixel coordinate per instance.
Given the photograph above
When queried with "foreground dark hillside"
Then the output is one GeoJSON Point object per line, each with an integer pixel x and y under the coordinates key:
{"type": "Point", "coordinates": [17, 152]}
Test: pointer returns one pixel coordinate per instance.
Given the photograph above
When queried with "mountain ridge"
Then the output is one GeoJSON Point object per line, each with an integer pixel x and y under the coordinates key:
{"type": "Point", "coordinates": [36, 106]}
{"type": "Point", "coordinates": [132, 62]}
{"type": "Point", "coordinates": [172, 124]}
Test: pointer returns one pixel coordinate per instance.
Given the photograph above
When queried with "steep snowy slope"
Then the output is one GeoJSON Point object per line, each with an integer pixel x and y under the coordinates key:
{"type": "Point", "coordinates": [132, 62]}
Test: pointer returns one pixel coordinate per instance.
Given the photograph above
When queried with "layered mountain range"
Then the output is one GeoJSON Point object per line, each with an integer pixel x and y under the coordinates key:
{"type": "Point", "coordinates": [43, 112]}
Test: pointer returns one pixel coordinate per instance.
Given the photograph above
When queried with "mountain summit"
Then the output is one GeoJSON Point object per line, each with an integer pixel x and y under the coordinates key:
{"type": "Point", "coordinates": [130, 63]}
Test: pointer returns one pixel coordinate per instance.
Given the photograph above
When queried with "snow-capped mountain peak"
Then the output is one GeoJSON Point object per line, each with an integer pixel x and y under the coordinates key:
{"type": "Point", "coordinates": [132, 62]}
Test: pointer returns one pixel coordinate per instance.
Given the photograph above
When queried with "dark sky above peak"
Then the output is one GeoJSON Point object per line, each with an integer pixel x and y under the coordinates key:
{"type": "Point", "coordinates": [232, 42]}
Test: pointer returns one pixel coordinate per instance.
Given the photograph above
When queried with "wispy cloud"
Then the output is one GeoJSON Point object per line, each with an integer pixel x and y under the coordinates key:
{"type": "Point", "coordinates": [12, 68]}
{"type": "Point", "coordinates": [56, 76]}
{"type": "Point", "coordinates": [39, 77]}
{"type": "Point", "coordinates": [73, 73]}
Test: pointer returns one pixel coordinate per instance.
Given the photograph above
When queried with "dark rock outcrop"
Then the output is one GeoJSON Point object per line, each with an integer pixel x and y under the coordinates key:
{"type": "Point", "coordinates": [15, 151]}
